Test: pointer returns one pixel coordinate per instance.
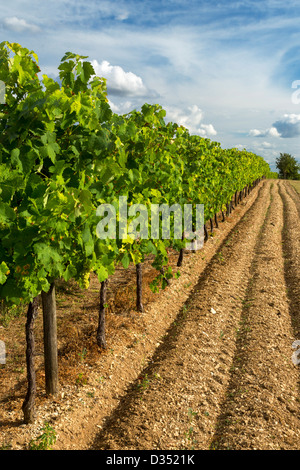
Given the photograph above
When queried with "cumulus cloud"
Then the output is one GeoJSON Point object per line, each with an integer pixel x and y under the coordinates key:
{"type": "Point", "coordinates": [19, 25]}
{"type": "Point", "coordinates": [120, 82]}
{"type": "Point", "coordinates": [206, 130]}
{"type": "Point", "coordinates": [288, 126]}
{"type": "Point", "coordinates": [271, 132]}
{"type": "Point", "coordinates": [191, 118]}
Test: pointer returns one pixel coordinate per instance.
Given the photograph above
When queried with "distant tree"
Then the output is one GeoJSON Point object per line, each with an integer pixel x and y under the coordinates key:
{"type": "Point", "coordinates": [288, 167]}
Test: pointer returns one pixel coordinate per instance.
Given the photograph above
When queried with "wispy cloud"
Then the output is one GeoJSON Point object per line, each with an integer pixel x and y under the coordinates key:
{"type": "Point", "coordinates": [19, 25]}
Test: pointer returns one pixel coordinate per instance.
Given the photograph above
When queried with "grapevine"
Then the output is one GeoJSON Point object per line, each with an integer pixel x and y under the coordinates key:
{"type": "Point", "coordinates": [63, 153]}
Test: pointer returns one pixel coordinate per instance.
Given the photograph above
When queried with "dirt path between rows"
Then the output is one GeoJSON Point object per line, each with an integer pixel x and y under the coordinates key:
{"type": "Point", "coordinates": [208, 365]}
{"type": "Point", "coordinates": [224, 378]}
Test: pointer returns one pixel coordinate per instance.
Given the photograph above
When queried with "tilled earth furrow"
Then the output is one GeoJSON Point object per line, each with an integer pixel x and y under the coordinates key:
{"type": "Point", "coordinates": [179, 399]}
{"type": "Point", "coordinates": [291, 247]}
{"type": "Point", "coordinates": [261, 409]}
{"type": "Point", "coordinates": [294, 196]}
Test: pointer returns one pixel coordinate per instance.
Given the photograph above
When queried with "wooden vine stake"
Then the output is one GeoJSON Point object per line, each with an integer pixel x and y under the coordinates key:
{"type": "Point", "coordinates": [50, 340]}
{"type": "Point", "coordinates": [205, 233]}
{"type": "Point", "coordinates": [216, 221]}
{"type": "Point", "coordinates": [139, 288]}
{"type": "Point", "coordinates": [101, 339]}
{"type": "Point", "coordinates": [181, 254]}
{"type": "Point", "coordinates": [236, 198]}
{"type": "Point", "coordinates": [28, 406]}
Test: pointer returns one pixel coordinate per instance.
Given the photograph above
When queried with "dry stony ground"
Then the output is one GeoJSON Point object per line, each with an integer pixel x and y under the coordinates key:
{"type": "Point", "coordinates": [208, 365]}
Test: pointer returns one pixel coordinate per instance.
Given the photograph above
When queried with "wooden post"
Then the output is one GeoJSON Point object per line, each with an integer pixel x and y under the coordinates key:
{"type": "Point", "coordinates": [28, 406]}
{"type": "Point", "coordinates": [139, 287]}
{"type": "Point", "coordinates": [205, 233]}
{"type": "Point", "coordinates": [101, 340]}
{"type": "Point", "coordinates": [50, 340]}
{"type": "Point", "coordinates": [180, 257]}
{"type": "Point", "coordinates": [227, 210]}
{"type": "Point", "coordinates": [181, 254]}
{"type": "Point", "coordinates": [216, 221]}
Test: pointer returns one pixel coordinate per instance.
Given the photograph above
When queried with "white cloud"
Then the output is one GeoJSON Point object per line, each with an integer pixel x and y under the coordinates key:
{"type": "Point", "coordinates": [120, 82]}
{"type": "Point", "coordinates": [256, 133]}
{"type": "Point", "coordinates": [288, 126]}
{"type": "Point", "coordinates": [19, 25]}
{"type": "Point", "coordinates": [122, 16]}
{"type": "Point", "coordinates": [271, 132]}
{"type": "Point", "coordinates": [191, 118]}
{"type": "Point", "coordinates": [266, 145]}
{"type": "Point", "coordinates": [206, 130]}
{"type": "Point", "coordinates": [121, 108]}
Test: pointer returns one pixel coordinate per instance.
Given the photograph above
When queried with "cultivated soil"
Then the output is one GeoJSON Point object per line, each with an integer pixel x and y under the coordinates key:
{"type": "Point", "coordinates": [207, 365]}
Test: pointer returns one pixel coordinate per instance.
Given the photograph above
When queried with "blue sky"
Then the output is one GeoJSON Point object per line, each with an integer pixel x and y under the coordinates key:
{"type": "Point", "coordinates": [227, 70]}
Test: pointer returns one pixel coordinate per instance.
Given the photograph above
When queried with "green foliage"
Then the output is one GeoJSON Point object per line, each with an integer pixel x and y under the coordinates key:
{"type": "Point", "coordinates": [9, 313]}
{"type": "Point", "coordinates": [288, 167]}
{"type": "Point", "coordinates": [45, 440]}
{"type": "Point", "coordinates": [63, 152]}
